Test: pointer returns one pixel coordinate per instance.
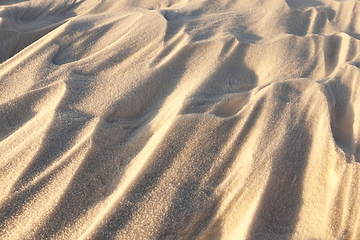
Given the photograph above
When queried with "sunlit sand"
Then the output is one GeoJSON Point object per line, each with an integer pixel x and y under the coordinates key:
{"type": "Point", "coordinates": [177, 119]}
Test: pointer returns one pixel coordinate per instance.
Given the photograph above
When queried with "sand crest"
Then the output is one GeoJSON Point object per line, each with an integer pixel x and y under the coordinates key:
{"type": "Point", "coordinates": [205, 119]}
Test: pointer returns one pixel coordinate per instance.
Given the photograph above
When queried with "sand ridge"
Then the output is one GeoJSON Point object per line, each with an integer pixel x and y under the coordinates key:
{"type": "Point", "coordinates": [176, 119]}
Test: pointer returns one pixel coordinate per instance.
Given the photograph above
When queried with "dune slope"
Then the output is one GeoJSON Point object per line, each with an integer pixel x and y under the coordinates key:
{"type": "Point", "coordinates": [176, 119]}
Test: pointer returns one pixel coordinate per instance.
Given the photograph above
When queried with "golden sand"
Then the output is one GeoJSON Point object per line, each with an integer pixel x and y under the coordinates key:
{"type": "Point", "coordinates": [177, 119]}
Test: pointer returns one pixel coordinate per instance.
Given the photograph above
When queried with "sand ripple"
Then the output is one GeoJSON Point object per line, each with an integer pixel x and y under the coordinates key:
{"type": "Point", "coordinates": [179, 119]}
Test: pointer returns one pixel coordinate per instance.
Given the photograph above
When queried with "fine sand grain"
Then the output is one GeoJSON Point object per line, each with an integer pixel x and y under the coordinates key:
{"type": "Point", "coordinates": [178, 119]}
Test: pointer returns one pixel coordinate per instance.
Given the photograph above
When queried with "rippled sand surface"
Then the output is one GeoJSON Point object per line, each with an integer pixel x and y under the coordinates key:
{"type": "Point", "coordinates": [178, 119]}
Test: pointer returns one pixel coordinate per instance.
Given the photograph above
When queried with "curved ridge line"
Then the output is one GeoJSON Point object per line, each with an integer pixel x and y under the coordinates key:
{"type": "Point", "coordinates": [136, 166]}
{"type": "Point", "coordinates": [63, 158]}
{"type": "Point", "coordinates": [9, 141]}
{"type": "Point", "coordinates": [38, 46]}
{"type": "Point", "coordinates": [60, 93]}
{"type": "Point", "coordinates": [139, 163]}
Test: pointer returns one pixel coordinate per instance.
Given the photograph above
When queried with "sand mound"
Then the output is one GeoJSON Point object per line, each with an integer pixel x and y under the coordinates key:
{"type": "Point", "coordinates": [176, 119]}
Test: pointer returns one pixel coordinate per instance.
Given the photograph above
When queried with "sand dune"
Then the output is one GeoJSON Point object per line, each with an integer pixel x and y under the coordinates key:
{"type": "Point", "coordinates": [166, 119]}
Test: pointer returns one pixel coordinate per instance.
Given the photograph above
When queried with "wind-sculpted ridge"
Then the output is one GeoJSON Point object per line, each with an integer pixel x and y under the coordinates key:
{"type": "Point", "coordinates": [180, 119]}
